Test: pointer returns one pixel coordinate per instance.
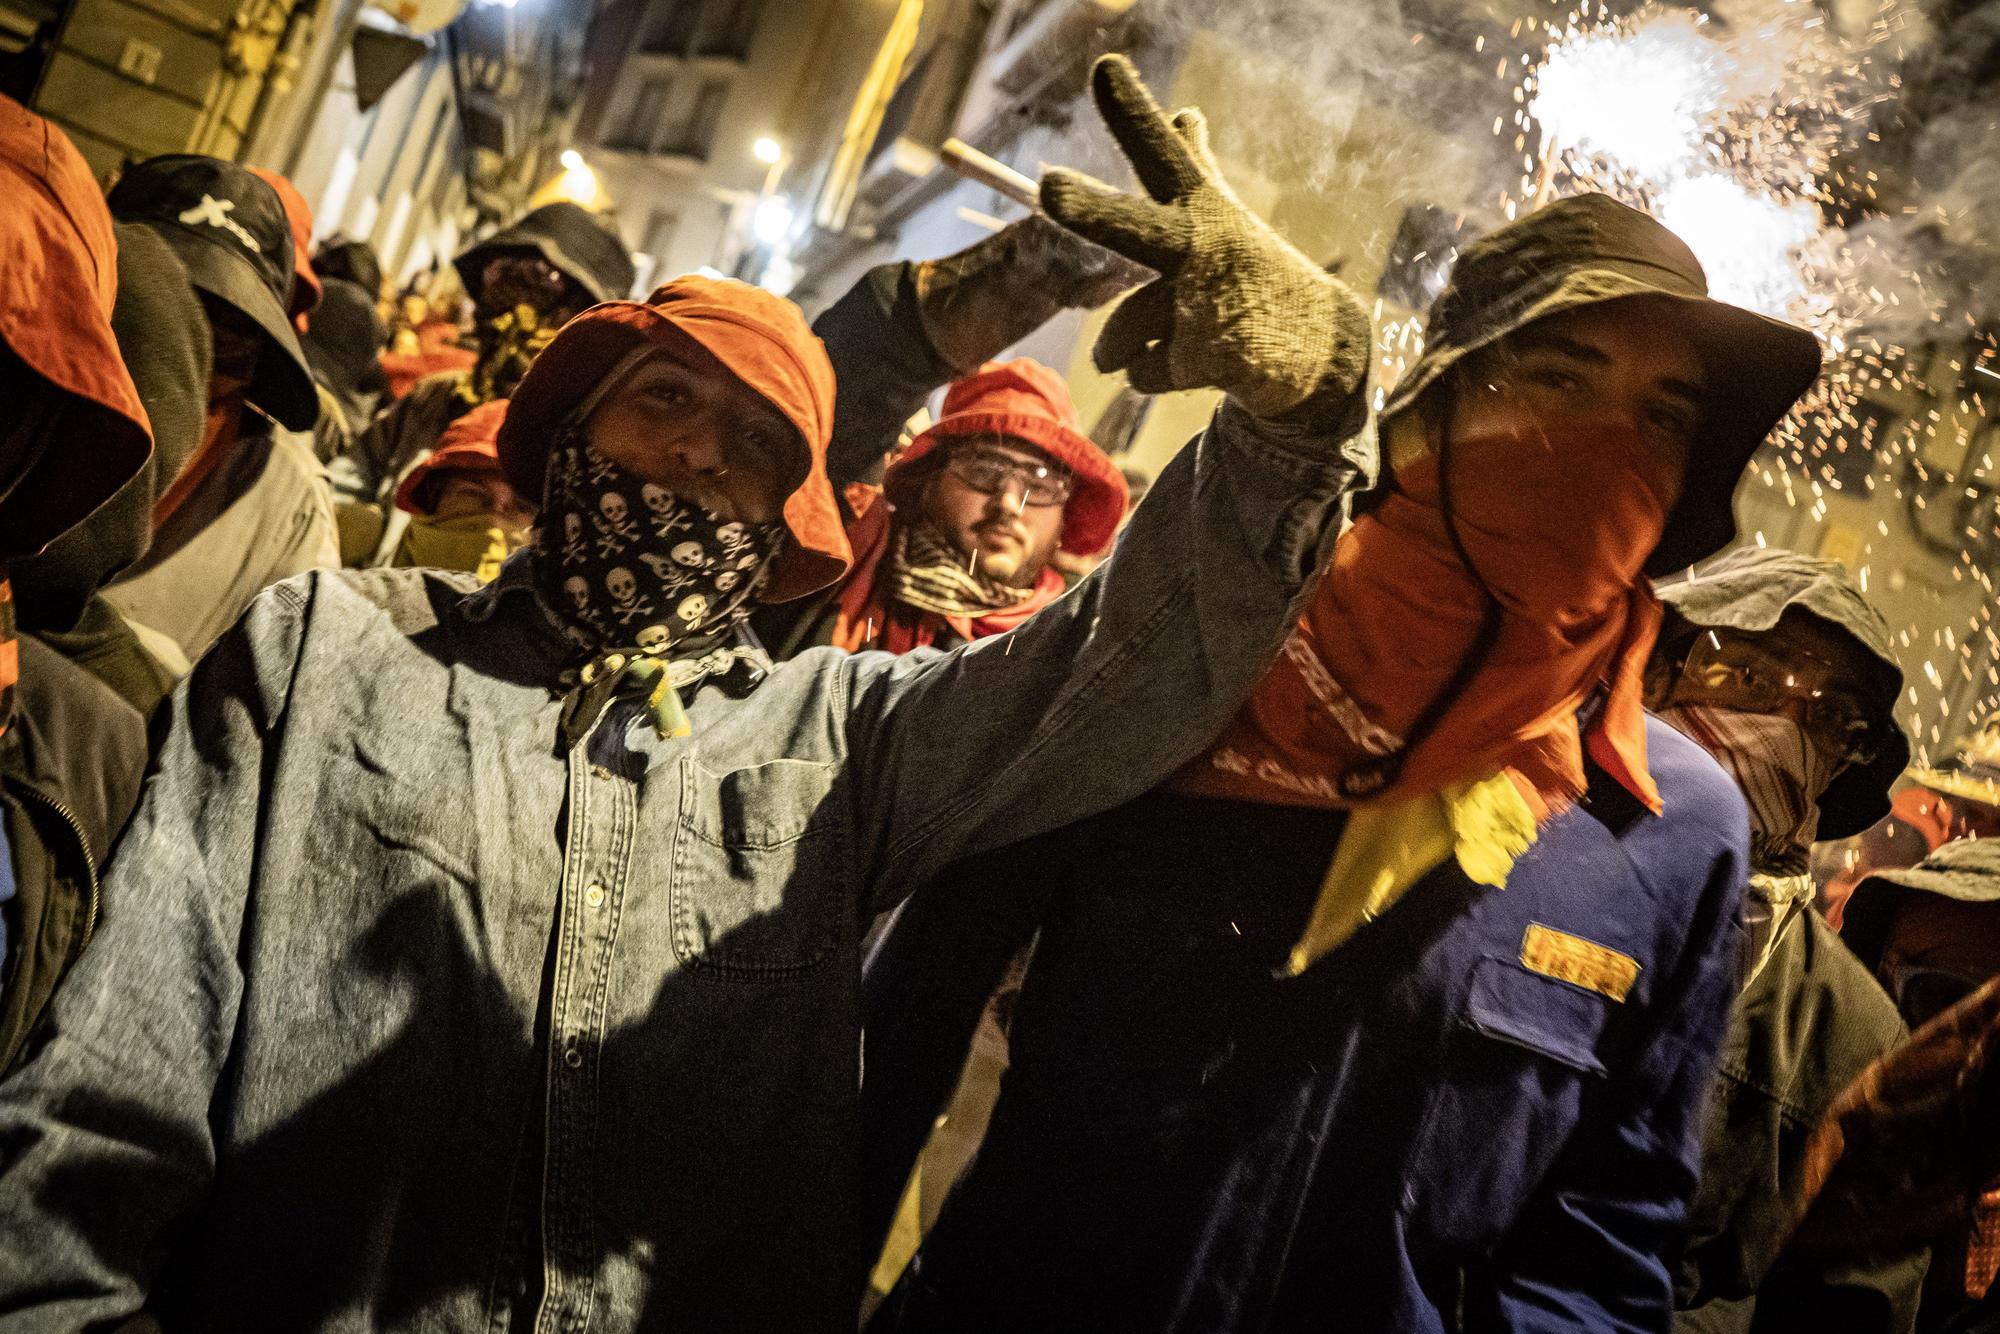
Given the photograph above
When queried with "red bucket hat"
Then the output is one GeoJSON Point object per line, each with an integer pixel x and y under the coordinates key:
{"type": "Point", "coordinates": [761, 339]}
{"type": "Point", "coordinates": [1026, 402]}
{"type": "Point", "coordinates": [58, 282]}
{"type": "Point", "coordinates": [469, 444]}
{"type": "Point", "coordinates": [306, 288]}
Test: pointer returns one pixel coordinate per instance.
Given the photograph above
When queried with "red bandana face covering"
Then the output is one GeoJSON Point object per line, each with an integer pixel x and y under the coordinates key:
{"type": "Point", "coordinates": [1557, 526]}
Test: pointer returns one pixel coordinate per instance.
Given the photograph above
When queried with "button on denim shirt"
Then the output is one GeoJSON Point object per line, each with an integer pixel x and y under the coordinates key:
{"type": "Point", "coordinates": [400, 1017]}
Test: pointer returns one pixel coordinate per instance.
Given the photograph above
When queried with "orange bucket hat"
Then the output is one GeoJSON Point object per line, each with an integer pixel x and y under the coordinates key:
{"type": "Point", "coordinates": [58, 282]}
{"type": "Point", "coordinates": [1022, 400]}
{"type": "Point", "coordinates": [761, 339]}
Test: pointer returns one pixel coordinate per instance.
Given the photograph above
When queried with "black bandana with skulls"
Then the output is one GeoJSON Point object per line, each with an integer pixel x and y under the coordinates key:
{"type": "Point", "coordinates": [631, 567]}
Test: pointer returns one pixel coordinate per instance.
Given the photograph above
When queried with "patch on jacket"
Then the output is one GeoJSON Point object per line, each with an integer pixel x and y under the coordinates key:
{"type": "Point", "coordinates": [1579, 962]}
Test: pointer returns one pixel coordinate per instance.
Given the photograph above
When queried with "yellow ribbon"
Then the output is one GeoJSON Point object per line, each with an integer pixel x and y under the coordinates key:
{"type": "Point", "coordinates": [1389, 846]}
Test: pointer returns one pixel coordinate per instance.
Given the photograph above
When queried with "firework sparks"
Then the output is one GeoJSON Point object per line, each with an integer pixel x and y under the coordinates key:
{"type": "Point", "coordinates": [1729, 130]}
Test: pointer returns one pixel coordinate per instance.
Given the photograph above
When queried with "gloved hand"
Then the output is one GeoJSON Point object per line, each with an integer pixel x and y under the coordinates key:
{"type": "Point", "coordinates": [1236, 307]}
{"type": "Point", "coordinates": [992, 294]}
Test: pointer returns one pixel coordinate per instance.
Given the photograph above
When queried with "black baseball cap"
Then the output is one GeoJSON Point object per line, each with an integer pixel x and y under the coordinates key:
{"type": "Point", "coordinates": [230, 232]}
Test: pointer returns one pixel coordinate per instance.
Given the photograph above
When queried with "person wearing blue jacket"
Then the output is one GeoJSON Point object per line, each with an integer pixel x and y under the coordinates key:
{"type": "Point", "coordinates": [1397, 1008]}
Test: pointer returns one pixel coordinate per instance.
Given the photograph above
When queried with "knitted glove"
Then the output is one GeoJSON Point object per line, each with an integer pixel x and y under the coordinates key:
{"type": "Point", "coordinates": [1236, 307]}
{"type": "Point", "coordinates": [992, 294]}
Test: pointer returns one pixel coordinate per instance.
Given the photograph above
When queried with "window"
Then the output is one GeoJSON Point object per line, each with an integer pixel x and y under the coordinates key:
{"type": "Point", "coordinates": [642, 122]}
{"type": "Point", "coordinates": [672, 27]}
{"type": "Point", "coordinates": [691, 131]}
{"type": "Point", "coordinates": [727, 27]}
{"type": "Point", "coordinates": [703, 27]}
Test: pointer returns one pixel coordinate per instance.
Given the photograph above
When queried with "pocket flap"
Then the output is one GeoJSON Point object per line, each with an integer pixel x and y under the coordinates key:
{"type": "Point", "coordinates": [1561, 1022]}
{"type": "Point", "coordinates": [763, 806]}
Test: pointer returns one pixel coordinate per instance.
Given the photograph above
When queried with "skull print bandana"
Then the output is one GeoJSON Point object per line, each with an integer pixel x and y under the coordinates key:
{"type": "Point", "coordinates": [650, 587]}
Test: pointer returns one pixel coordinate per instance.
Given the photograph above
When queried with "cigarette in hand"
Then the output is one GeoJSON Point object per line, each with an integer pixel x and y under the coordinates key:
{"type": "Point", "coordinates": [974, 165]}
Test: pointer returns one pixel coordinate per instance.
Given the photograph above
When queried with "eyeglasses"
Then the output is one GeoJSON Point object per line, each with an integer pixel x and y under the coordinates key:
{"type": "Point", "coordinates": [990, 472]}
{"type": "Point", "coordinates": [1738, 673]}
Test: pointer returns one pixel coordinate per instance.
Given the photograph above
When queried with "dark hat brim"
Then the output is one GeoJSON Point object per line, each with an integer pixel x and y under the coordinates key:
{"type": "Point", "coordinates": [1967, 871]}
{"type": "Point", "coordinates": [568, 237]}
{"type": "Point", "coordinates": [1757, 367]}
{"type": "Point", "coordinates": [283, 386]}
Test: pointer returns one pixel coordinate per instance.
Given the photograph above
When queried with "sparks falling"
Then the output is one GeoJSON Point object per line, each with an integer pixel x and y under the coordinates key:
{"type": "Point", "coordinates": [1729, 129]}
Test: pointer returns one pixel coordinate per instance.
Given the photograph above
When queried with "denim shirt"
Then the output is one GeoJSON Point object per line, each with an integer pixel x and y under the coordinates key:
{"type": "Point", "coordinates": [401, 1018]}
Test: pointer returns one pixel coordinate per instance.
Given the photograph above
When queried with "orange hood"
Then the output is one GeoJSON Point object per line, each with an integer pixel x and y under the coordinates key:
{"type": "Point", "coordinates": [467, 445]}
{"type": "Point", "coordinates": [761, 339]}
{"type": "Point", "coordinates": [58, 282]}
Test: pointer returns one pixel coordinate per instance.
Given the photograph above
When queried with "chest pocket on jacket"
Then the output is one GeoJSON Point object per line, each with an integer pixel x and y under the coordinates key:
{"type": "Point", "coordinates": [1520, 1063]}
{"type": "Point", "coordinates": [759, 888]}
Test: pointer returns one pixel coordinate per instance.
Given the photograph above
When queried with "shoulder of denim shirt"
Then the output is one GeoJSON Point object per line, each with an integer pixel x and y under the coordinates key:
{"type": "Point", "coordinates": [1307, 444]}
{"type": "Point", "coordinates": [515, 582]}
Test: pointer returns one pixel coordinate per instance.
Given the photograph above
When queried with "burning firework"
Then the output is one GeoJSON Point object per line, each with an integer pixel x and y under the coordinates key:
{"type": "Point", "coordinates": [1732, 130]}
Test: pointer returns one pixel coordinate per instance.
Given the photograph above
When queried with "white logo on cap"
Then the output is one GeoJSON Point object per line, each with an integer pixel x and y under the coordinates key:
{"type": "Point", "coordinates": [214, 212]}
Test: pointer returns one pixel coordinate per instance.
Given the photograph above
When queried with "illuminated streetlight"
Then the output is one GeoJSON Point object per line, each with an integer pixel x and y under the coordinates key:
{"type": "Point", "coordinates": [771, 221]}
{"type": "Point", "coordinates": [767, 151]}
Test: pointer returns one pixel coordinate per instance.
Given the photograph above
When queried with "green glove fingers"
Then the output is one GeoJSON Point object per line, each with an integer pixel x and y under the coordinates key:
{"type": "Point", "coordinates": [1236, 306]}
{"type": "Point", "coordinates": [1135, 338]}
{"type": "Point", "coordinates": [1158, 154]}
{"type": "Point", "coordinates": [1152, 234]}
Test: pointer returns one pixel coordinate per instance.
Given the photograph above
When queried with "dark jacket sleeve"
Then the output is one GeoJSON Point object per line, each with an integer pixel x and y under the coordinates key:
{"type": "Point", "coordinates": [105, 1135]}
{"type": "Point", "coordinates": [1804, 1028]}
{"type": "Point", "coordinates": [1596, 1246]}
{"type": "Point", "coordinates": [884, 368]}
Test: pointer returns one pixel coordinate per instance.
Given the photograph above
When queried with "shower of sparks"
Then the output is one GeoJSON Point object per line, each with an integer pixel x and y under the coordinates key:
{"type": "Point", "coordinates": [1726, 128]}
{"type": "Point", "coordinates": [1668, 80]}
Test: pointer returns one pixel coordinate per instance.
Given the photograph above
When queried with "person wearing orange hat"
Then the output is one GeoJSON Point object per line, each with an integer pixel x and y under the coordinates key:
{"type": "Point", "coordinates": [251, 506]}
{"type": "Point", "coordinates": [306, 286]}
{"type": "Point", "coordinates": [333, 429]}
{"type": "Point", "coordinates": [487, 957]}
{"type": "Point", "coordinates": [957, 543]}
{"type": "Point", "coordinates": [464, 513]}
{"type": "Point", "coordinates": [72, 433]}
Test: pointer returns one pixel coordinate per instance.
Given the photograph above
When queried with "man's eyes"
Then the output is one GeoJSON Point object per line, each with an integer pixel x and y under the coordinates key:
{"type": "Point", "coordinates": [1556, 378]}
{"type": "Point", "coordinates": [664, 392]}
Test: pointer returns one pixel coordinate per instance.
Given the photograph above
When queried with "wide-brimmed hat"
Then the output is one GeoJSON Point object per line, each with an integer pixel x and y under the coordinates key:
{"type": "Point", "coordinates": [1027, 402]}
{"type": "Point", "coordinates": [1965, 871]}
{"type": "Point", "coordinates": [578, 243]}
{"type": "Point", "coordinates": [760, 339]}
{"type": "Point", "coordinates": [230, 230]}
{"type": "Point", "coordinates": [58, 283]}
{"type": "Point", "coordinates": [1591, 249]}
{"type": "Point", "coordinates": [470, 444]}
{"type": "Point", "coordinates": [1970, 770]}
{"type": "Point", "coordinates": [1751, 590]}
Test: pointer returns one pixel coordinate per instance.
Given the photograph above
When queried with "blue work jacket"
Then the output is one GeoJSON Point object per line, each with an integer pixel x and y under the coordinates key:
{"type": "Point", "coordinates": [1482, 1112]}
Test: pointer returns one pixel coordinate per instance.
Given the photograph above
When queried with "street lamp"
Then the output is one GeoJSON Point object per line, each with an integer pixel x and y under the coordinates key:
{"type": "Point", "coordinates": [771, 220]}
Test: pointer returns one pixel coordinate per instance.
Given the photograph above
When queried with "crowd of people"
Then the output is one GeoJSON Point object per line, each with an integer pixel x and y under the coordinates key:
{"type": "Point", "coordinates": [519, 802]}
